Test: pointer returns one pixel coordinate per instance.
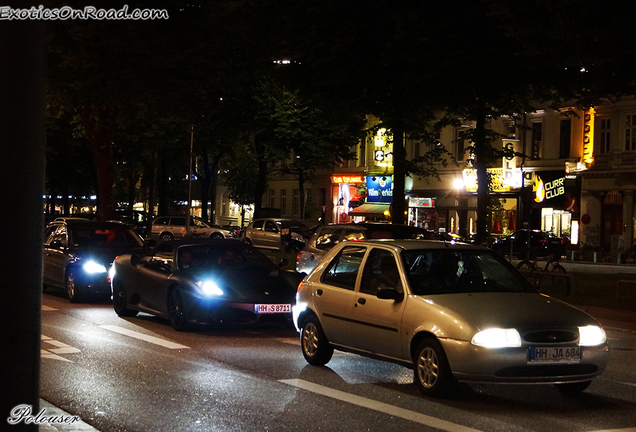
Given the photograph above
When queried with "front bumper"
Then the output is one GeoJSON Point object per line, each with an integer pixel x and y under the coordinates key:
{"type": "Point", "coordinates": [510, 365]}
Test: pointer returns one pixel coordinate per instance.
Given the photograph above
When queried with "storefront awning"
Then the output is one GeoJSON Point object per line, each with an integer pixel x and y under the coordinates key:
{"type": "Point", "coordinates": [370, 210]}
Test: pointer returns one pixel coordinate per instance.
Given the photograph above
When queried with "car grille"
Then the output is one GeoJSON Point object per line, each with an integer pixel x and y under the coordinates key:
{"type": "Point", "coordinates": [547, 371]}
{"type": "Point", "coordinates": [551, 336]}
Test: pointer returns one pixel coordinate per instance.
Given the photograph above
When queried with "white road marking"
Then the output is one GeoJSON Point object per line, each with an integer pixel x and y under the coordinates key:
{"type": "Point", "coordinates": [144, 337]}
{"type": "Point", "coordinates": [47, 308]}
{"type": "Point", "coordinates": [617, 430]}
{"type": "Point", "coordinates": [62, 348]}
{"type": "Point", "coordinates": [379, 406]}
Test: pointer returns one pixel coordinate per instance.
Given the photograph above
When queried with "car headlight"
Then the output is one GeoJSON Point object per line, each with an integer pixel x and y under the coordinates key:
{"type": "Point", "coordinates": [497, 338]}
{"type": "Point", "coordinates": [591, 336]}
{"type": "Point", "coordinates": [209, 288]}
{"type": "Point", "coordinates": [92, 267]}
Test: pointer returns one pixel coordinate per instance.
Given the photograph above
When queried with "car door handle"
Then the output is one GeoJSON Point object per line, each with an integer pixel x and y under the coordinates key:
{"type": "Point", "coordinates": [319, 292]}
{"type": "Point", "coordinates": [362, 301]}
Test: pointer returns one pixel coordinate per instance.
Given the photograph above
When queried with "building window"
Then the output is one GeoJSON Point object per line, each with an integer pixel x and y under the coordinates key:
{"type": "Point", "coordinates": [537, 138]}
{"type": "Point", "coordinates": [272, 198]}
{"type": "Point", "coordinates": [604, 126]}
{"type": "Point", "coordinates": [630, 132]}
{"type": "Point", "coordinates": [460, 144]}
{"type": "Point", "coordinates": [565, 138]}
{"type": "Point", "coordinates": [295, 202]}
{"type": "Point", "coordinates": [283, 201]}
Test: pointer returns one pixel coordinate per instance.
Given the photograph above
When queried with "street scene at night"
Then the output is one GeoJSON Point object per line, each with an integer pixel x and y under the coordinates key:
{"type": "Point", "coordinates": [300, 216]}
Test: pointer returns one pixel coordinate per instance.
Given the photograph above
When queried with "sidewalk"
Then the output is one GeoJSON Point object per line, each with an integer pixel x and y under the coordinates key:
{"type": "Point", "coordinates": [75, 426]}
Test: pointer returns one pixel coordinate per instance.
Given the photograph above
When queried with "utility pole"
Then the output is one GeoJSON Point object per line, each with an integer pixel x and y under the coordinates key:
{"type": "Point", "coordinates": [190, 181]}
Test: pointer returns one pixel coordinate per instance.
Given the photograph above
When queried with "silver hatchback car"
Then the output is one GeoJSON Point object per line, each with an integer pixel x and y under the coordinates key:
{"type": "Point", "coordinates": [451, 312]}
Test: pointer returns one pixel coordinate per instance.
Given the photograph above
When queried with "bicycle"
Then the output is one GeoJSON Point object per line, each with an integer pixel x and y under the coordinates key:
{"type": "Point", "coordinates": [532, 268]}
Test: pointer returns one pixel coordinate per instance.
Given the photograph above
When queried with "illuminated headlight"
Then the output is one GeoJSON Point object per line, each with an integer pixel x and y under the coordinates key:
{"type": "Point", "coordinates": [497, 338]}
{"type": "Point", "coordinates": [92, 267]}
{"type": "Point", "coordinates": [591, 336]}
{"type": "Point", "coordinates": [209, 288]}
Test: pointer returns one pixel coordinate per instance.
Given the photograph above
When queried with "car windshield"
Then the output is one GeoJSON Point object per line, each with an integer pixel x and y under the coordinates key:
{"type": "Point", "coordinates": [104, 236]}
{"type": "Point", "coordinates": [220, 257]}
{"type": "Point", "coordinates": [444, 271]}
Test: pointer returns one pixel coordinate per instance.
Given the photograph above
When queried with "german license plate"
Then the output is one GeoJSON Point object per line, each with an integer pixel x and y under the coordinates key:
{"type": "Point", "coordinates": [271, 308]}
{"type": "Point", "coordinates": [554, 354]}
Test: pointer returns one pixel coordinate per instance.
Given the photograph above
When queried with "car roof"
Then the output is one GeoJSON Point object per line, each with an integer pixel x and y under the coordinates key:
{"type": "Point", "coordinates": [411, 244]}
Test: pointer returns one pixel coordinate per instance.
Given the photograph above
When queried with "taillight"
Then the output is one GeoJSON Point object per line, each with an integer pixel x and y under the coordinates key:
{"type": "Point", "coordinates": [298, 256]}
{"type": "Point", "coordinates": [300, 285]}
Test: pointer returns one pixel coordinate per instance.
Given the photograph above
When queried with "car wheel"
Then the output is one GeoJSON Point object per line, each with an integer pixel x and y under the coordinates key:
{"type": "Point", "coordinates": [217, 236]}
{"type": "Point", "coordinates": [177, 310]}
{"type": "Point", "coordinates": [119, 301]}
{"type": "Point", "coordinates": [166, 236]}
{"type": "Point", "coordinates": [247, 241]}
{"type": "Point", "coordinates": [72, 290]}
{"type": "Point", "coordinates": [576, 387]}
{"type": "Point", "coordinates": [432, 374]}
{"type": "Point", "coordinates": [316, 348]}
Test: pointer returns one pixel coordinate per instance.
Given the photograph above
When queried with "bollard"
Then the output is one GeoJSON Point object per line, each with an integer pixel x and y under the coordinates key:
{"type": "Point", "coordinates": [595, 256]}
{"type": "Point", "coordinates": [572, 256]}
{"type": "Point", "coordinates": [618, 258]}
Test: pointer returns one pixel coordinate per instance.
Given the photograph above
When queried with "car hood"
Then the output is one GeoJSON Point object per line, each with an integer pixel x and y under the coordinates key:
{"type": "Point", "coordinates": [260, 285]}
{"type": "Point", "coordinates": [107, 255]}
{"type": "Point", "coordinates": [510, 310]}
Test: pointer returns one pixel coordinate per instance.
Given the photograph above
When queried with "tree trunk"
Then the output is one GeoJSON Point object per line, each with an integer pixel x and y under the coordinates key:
{"type": "Point", "coordinates": [482, 177]}
{"type": "Point", "coordinates": [398, 206]}
{"type": "Point", "coordinates": [98, 127]}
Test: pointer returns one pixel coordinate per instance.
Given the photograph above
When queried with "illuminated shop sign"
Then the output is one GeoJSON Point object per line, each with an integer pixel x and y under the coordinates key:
{"type": "Point", "coordinates": [421, 202]}
{"type": "Point", "coordinates": [501, 180]}
{"type": "Point", "coordinates": [555, 189]}
{"type": "Point", "coordinates": [379, 189]}
{"type": "Point", "coordinates": [588, 136]}
{"type": "Point", "coordinates": [339, 179]}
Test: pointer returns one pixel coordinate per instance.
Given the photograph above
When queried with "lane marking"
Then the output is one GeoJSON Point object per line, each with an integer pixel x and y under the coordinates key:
{"type": "Point", "coordinates": [62, 348]}
{"type": "Point", "coordinates": [617, 430]}
{"type": "Point", "coordinates": [379, 406]}
{"type": "Point", "coordinates": [144, 337]}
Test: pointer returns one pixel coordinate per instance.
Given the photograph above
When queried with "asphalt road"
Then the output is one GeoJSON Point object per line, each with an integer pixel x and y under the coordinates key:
{"type": "Point", "coordinates": [139, 375]}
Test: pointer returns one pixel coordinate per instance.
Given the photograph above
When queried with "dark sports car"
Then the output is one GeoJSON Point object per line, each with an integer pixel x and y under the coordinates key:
{"type": "Point", "coordinates": [206, 281]}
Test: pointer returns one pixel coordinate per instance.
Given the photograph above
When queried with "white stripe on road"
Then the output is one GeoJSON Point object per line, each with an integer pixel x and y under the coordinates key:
{"type": "Point", "coordinates": [47, 308]}
{"type": "Point", "coordinates": [144, 337]}
{"type": "Point", "coordinates": [617, 430]}
{"type": "Point", "coordinates": [378, 406]}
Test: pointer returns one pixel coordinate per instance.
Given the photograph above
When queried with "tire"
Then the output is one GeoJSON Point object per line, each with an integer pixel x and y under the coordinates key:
{"type": "Point", "coordinates": [177, 310]}
{"type": "Point", "coordinates": [247, 241]}
{"type": "Point", "coordinates": [217, 236]}
{"type": "Point", "coordinates": [525, 266]}
{"type": "Point", "coordinates": [316, 348]}
{"type": "Point", "coordinates": [166, 236]}
{"type": "Point", "coordinates": [576, 387]}
{"type": "Point", "coordinates": [72, 290]}
{"type": "Point", "coordinates": [431, 373]}
{"type": "Point", "coordinates": [120, 303]}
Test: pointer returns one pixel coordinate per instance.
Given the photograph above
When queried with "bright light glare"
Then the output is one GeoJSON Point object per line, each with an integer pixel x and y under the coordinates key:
{"type": "Point", "coordinates": [458, 184]}
{"type": "Point", "coordinates": [92, 267]}
{"type": "Point", "coordinates": [210, 288]}
{"type": "Point", "coordinates": [591, 336]}
{"type": "Point", "coordinates": [497, 338]}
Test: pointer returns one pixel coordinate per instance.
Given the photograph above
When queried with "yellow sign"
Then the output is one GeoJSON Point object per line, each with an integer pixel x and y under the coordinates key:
{"type": "Point", "coordinates": [497, 177]}
{"type": "Point", "coordinates": [588, 136]}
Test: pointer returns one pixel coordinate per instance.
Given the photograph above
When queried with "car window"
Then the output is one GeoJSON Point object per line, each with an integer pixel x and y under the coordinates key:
{"type": "Point", "coordinates": [161, 221]}
{"type": "Point", "coordinates": [343, 270]}
{"type": "Point", "coordinates": [57, 233]}
{"type": "Point", "coordinates": [104, 236]}
{"type": "Point", "coordinates": [441, 271]}
{"type": "Point", "coordinates": [258, 225]}
{"type": "Point", "coordinates": [221, 258]}
{"type": "Point", "coordinates": [270, 226]}
{"type": "Point", "coordinates": [178, 221]}
{"type": "Point", "coordinates": [380, 270]}
{"type": "Point", "coordinates": [327, 238]}
{"type": "Point", "coordinates": [199, 223]}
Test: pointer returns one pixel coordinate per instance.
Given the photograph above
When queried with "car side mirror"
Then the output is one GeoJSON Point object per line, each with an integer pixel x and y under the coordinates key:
{"type": "Point", "coordinates": [56, 244]}
{"type": "Point", "coordinates": [135, 260]}
{"type": "Point", "coordinates": [386, 293]}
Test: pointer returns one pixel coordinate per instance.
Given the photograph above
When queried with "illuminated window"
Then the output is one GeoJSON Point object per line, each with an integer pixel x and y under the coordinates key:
{"type": "Point", "coordinates": [630, 132]}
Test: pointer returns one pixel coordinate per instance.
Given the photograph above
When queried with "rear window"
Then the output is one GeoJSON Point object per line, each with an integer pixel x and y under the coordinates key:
{"type": "Point", "coordinates": [104, 236]}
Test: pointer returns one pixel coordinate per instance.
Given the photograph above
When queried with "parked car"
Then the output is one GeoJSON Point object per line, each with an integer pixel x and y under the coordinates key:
{"type": "Point", "coordinates": [276, 233]}
{"type": "Point", "coordinates": [203, 281]}
{"type": "Point", "coordinates": [138, 220]}
{"type": "Point", "coordinates": [530, 243]}
{"type": "Point", "coordinates": [327, 236]}
{"type": "Point", "coordinates": [78, 252]}
{"type": "Point", "coordinates": [174, 227]}
{"type": "Point", "coordinates": [451, 312]}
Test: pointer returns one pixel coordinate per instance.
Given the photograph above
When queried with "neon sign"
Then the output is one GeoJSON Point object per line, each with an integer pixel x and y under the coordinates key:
{"type": "Point", "coordinates": [338, 179]}
{"type": "Point", "coordinates": [588, 136]}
